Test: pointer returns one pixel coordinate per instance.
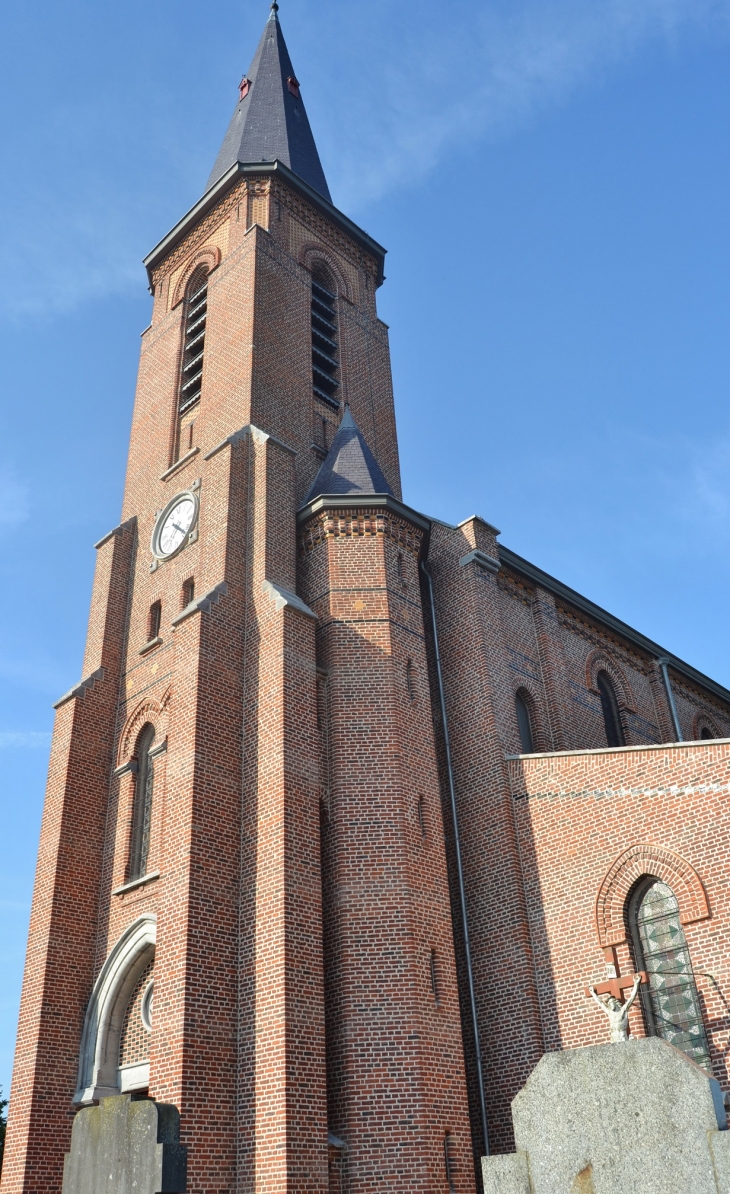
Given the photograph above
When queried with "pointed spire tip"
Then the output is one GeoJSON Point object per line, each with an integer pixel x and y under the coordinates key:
{"type": "Point", "coordinates": [269, 123]}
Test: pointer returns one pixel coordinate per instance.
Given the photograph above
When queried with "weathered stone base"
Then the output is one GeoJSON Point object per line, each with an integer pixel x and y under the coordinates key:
{"type": "Point", "coordinates": [126, 1147]}
{"type": "Point", "coordinates": [632, 1118]}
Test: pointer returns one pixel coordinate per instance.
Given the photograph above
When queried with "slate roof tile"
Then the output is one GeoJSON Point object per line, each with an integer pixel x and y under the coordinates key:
{"type": "Point", "coordinates": [350, 466]}
{"type": "Point", "coordinates": [270, 122]}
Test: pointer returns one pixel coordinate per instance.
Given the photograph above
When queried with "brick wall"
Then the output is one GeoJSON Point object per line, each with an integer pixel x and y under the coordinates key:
{"type": "Point", "coordinates": [396, 1083]}
{"type": "Point", "coordinates": [578, 815]}
{"type": "Point", "coordinates": [500, 633]}
{"type": "Point", "coordinates": [234, 874]}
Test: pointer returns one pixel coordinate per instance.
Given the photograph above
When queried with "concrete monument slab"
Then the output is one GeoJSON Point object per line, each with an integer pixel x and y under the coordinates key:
{"type": "Point", "coordinates": [126, 1147]}
{"type": "Point", "coordinates": [636, 1117]}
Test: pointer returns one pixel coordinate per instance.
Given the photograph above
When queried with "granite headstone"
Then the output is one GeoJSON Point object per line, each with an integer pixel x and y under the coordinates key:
{"type": "Point", "coordinates": [637, 1117]}
{"type": "Point", "coordinates": [126, 1146]}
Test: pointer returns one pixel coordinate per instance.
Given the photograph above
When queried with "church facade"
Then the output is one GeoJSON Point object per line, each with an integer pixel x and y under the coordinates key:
{"type": "Point", "coordinates": [351, 807]}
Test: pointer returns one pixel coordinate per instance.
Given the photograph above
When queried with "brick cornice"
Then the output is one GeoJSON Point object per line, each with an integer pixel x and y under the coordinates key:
{"type": "Point", "coordinates": [193, 235]}
{"type": "Point", "coordinates": [209, 211]}
{"type": "Point", "coordinates": [360, 516]}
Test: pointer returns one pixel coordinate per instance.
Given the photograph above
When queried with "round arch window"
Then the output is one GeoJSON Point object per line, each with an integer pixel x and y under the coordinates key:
{"type": "Point", "coordinates": [671, 1003]}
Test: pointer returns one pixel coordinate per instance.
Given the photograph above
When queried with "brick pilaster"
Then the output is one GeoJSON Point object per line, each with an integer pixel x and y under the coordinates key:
{"type": "Point", "coordinates": [397, 1087]}
{"type": "Point", "coordinates": [59, 966]}
{"type": "Point", "coordinates": [478, 697]}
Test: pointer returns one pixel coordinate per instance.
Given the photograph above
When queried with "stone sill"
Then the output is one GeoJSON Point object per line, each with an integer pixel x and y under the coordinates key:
{"type": "Point", "coordinates": [179, 464]}
{"type": "Point", "coordinates": [136, 883]}
{"type": "Point", "coordinates": [154, 642]}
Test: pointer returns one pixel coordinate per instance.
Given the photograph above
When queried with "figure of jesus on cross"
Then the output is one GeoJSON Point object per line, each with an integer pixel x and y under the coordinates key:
{"type": "Point", "coordinates": [617, 1012]}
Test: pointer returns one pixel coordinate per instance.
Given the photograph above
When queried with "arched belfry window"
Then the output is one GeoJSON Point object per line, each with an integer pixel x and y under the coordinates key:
{"type": "Point", "coordinates": [142, 816]}
{"type": "Point", "coordinates": [671, 1003]}
{"type": "Point", "coordinates": [524, 722]}
{"type": "Point", "coordinates": [325, 351]}
{"type": "Point", "coordinates": [610, 709]}
{"type": "Point", "coordinates": [195, 315]}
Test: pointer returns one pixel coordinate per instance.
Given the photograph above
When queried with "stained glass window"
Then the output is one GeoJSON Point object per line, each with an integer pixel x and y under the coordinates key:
{"type": "Point", "coordinates": [671, 1003]}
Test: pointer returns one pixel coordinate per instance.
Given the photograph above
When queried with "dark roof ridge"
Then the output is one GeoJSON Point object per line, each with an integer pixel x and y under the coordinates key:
{"type": "Point", "coordinates": [586, 606]}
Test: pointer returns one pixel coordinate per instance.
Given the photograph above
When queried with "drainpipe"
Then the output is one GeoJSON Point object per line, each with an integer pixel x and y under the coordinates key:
{"type": "Point", "coordinates": [670, 697]}
{"type": "Point", "coordinates": [459, 867]}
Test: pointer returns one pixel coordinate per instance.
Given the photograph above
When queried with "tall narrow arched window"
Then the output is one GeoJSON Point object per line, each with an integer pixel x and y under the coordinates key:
{"type": "Point", "coordinates": [191, 373]}
{"type": "Point", "coordinates": [524, 723]}
{"type": "Point", "coordinates": [142, 815]}
{"type": "Point", "coordinates": [609, 706]}
{"type": "Point", "coordinates": [671, 1003]}
{"type": "Point", "coordinates": [325, 351]}
{"type": "Point", "coordinates": [707, 733]}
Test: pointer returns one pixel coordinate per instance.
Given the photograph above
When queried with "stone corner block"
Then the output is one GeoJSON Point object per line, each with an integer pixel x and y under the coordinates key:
{"type": "Point", "coordinates": [720, 1150]}
{"type": "Point", "coordinates": [506, 1175]}
{"type": "Point", "coordinates": [282, 597]}
{"type": "Point", "coordinates": [126, 1146]}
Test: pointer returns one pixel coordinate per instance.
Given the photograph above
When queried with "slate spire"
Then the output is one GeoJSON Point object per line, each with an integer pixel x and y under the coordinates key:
{"type": "Point", "coordinates": [269, 122]}
{"type": "Point", "coordinates": [350, 466]}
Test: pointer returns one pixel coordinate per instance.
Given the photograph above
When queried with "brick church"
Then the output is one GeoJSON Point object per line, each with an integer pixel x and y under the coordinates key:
{"type": "Point", "coordinates": [350, 806]}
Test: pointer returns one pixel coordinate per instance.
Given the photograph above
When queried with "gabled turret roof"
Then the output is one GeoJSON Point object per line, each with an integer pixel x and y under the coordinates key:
{"type": "Point", "coordinates": [350, 466]}
{"type": "Point", "coordinates": [269, 122]}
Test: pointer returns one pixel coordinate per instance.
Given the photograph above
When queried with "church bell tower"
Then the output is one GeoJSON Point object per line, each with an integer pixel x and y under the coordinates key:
{"type": "Point", "coordinates": [241, 907]}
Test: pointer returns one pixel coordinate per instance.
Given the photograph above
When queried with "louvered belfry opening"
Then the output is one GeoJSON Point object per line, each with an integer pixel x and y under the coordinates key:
{"type": "Point", "coordinates": [196, 310]}
{"type": "Point", "coordinates": [325, 355]}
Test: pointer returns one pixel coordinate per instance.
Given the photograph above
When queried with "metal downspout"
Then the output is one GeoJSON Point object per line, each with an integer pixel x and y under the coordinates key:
{"type": "Point", "coordinates": [459, 867]}
{"type": "Point", "coordinates": [670, 697]}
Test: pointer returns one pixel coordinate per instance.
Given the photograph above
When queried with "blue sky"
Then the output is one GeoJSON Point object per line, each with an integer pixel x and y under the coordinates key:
{"type": "Point", "coordinates": [551, 178]}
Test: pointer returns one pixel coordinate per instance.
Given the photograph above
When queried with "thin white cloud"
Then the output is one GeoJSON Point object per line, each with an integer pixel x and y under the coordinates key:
{"type": "Point", "coordinates": [392, 89]}
{"type": "Point", "coordinates": [424, 87]}
{"type": "Point", "coordinates": [14, 498]}
{"type": "Point", "coordinates": [708, 494]}
{"type": "Point", "coordinates": [24, 740]}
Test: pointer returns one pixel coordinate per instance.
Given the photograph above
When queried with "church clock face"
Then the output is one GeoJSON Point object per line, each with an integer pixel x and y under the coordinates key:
{"type": "Point", "coordinates": [174, 525]}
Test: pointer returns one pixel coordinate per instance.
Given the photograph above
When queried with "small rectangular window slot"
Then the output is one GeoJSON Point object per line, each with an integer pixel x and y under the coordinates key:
{"type": "Point", "coordinates": [449, 1162]}
{"type": "Point", "coordinates": [422, 816]}
{"type": "Point", "coordinates": [188, 593]}
{"type": "Point", "coordinates": [154, 621]}
{"type": "Point", "coordinates": [434, 978]}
